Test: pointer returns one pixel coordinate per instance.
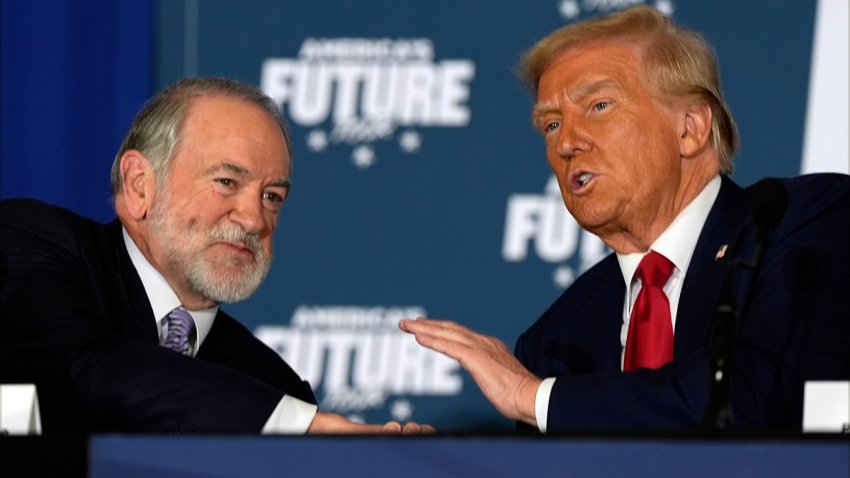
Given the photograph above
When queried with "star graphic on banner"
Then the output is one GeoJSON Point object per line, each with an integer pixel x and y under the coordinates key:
{"type": "Point", "coordinates": [569, 9]}
{"type": "Point", "coordinates": [563, 276]}
{"type": "Point", "coordinates": [363, 156]}
{"type": "Point", "coordinates": [666, 7]}
{"type": "Point", "coordinates": [401, 410]}
{"type": "Point", "coordinates": [317, 140]}
{"type": "Point", "coordinates": [410, 141]}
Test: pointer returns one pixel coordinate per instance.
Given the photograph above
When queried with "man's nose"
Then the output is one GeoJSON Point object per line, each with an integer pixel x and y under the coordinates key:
{"type": "Point", "coordinates": [249, 213]}
{"type": "Point", "coordinates": [572, 141]}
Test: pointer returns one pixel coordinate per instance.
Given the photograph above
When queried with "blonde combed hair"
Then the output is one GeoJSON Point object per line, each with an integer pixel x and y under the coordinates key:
{"type": "Point", "coordinates": [677, 62]}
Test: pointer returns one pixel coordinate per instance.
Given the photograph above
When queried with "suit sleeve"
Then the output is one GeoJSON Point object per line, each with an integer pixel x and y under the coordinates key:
{"type": "Point", "coordinates": [231, 344]}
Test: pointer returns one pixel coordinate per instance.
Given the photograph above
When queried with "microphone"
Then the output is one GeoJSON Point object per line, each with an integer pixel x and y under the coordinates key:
{"type": "Point", "coordinates": [768, 200]}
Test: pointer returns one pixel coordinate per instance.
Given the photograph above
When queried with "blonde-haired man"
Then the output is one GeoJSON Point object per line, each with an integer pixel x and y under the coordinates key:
{"type": "Point", "coordinates": [640, 139]}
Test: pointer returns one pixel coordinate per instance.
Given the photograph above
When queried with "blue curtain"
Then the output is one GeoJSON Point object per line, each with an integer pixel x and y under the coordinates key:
{"type": "Point", "coordinates": [72, 75]}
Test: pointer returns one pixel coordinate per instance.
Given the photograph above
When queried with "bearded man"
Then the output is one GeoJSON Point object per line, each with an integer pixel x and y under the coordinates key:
{"type": "Point", "coordinates": [118, 325]}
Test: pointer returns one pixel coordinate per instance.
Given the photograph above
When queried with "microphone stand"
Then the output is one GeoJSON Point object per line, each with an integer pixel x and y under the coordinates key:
{"type": "Point", "coordinates": [768, 202]}
{"type": "Point", "coordinates": [718, 415]}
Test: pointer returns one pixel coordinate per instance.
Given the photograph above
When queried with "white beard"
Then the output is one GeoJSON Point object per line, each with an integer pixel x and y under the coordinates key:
{"type": "Point", "coordinates": [221, 280]}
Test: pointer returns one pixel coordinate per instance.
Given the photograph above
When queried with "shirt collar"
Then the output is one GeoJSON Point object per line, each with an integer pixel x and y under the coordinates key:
{"type": "Point", "coordinates": [161, 296]}
{"type": "Point", "coordinates": [678, 241]}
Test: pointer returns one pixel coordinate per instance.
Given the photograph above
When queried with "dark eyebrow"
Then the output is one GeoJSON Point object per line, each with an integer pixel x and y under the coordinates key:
{"type": "Point", "coordinates": [282, 183]}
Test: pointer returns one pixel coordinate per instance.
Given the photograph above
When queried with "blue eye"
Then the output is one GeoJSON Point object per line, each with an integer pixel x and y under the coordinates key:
{"type": "Point", "coordinates": [551, 126]}
{"type": "Point", "coordinates": [601, 105]}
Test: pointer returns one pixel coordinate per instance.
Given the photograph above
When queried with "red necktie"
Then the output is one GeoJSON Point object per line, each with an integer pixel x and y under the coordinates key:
{"type": "Point", "coordinates": [650, 340]}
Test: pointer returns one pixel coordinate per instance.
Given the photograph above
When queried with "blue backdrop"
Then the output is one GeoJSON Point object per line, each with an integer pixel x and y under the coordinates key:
{"type": "Point", "coordinates": [72, 75]}
{"type": "Point", "coordinates": [419, 186]}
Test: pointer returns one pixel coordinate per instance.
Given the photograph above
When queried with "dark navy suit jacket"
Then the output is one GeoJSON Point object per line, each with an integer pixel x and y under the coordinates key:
{"type": "Point", "coordinates": [793, 323]}
{"type": "Point", "coordinates": [75, 320]}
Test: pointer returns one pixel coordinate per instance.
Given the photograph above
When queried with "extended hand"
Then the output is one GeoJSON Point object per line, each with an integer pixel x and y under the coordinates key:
{"type": "Point", "coordinates": [503, 380]}
{"type": "Point", "coordinates": [325, 423]}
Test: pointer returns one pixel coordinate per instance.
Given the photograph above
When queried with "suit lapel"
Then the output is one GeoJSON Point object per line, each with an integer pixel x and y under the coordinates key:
{"type": "Point", "coordinates": [611, 324]}
{"type": "Point", "coordinates": [216, 347]}
{"type": "Point", "coordinates": [705, 272]}
{"type": "Point", "coordinates": [601, 311]}
{"type": "Point", "coordinates": [138, 320]}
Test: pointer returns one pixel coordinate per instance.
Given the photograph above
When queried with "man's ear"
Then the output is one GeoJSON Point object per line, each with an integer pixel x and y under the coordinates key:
{"type": "Point", "coordinates": [695, 131]}
{"type": "Point", "coordinates": [138, 183]}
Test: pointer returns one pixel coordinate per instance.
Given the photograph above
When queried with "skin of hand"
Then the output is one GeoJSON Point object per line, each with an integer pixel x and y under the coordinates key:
{"type": "Point", "coordinates": [509, 386]}
{"type": "Point", "coordinates": [334, 423]}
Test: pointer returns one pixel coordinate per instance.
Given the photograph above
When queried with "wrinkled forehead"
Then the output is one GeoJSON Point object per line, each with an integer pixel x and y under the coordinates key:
{"type": "Point", "coordinates": [224, 125]}
{"type": "Point", "coordinates": [590, 66]}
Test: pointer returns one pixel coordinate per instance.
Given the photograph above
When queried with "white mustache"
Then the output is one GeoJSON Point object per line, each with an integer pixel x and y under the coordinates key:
{"type": "Point", "coordinates": [235, 233]}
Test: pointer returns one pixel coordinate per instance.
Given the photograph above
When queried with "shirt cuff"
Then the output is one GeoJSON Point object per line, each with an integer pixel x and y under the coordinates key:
{"type": "Point", "coordinates": [541, 402]}
{"type": "Point", "coordinates": [291, 416]}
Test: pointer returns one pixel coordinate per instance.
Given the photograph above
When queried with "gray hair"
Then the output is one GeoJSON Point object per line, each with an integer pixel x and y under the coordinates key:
{"type": "Point", "coordinates": [156, 128]}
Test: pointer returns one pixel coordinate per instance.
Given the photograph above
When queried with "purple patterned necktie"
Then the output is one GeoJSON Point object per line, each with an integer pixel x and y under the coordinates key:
{"type": "Point", "coordinates": [180, 327]}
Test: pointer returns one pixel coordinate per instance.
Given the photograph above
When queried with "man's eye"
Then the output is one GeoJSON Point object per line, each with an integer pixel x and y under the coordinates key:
{"type": "Point", "coordinates": [273, 197]}
{"type": "Point", "coordinates": [226, 182]}
{"type": "Point", "coordinates": [551, 126]}
{"type": "Point", "coordinates": [601, 105]}
{"type": "Point", "coordinates": [273, 201]}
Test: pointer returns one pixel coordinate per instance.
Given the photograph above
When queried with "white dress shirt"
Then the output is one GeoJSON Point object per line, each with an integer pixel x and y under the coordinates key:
{"type": "Point", "coordinates": [676, 243]}
{"type": "Point", "coordinates": [291, 414]}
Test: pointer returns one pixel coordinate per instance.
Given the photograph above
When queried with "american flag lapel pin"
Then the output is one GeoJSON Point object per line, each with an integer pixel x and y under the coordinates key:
{"type": "Point", "coordinates": [721, 252]}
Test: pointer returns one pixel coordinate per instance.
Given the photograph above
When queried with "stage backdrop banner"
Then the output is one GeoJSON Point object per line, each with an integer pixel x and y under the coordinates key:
{"type": "Point", "coordinates": [420, 187]}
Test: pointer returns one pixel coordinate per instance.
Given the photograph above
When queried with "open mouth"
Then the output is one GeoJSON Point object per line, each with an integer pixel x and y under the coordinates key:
{"type": "Point", "coordinates": [580, 180]}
